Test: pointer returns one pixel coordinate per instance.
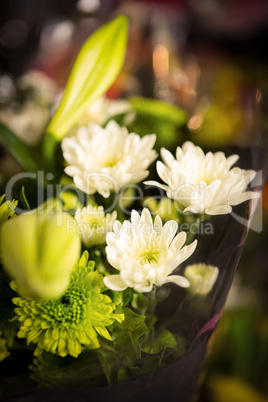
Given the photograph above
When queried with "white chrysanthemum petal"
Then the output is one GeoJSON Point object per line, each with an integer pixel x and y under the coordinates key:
{"type": "Point", "coordinates": [146, 217]}
{"type": "Point", "coordinates": [178, 280]}
{"type": "Point", "coordinates": [106, 159]}
{"type": "Point", "coordinates": [179, 258]}
{"type": "Point", "coordinates": [179, 240]}
{"type": "Point", "coordinates": [137, 177]}
{"type": "Point", "coordinates": [187, 251]}
{"type": "Point", "coordinates": [155, 183]}
{"type": "Point", "coordinates": [249, 195]}
{"type": "Point", "coordinates": [218, 210]}
{"type": "Point", "coordinates": [113, 257]}
{"type": "Point", "coordinates": [162, 171]}
{"type": "Point", "coordinates": [203, 183]}
{"type": "Point", "coordinates": [249, 175]}
{"type": "Point", "coordinates": [169, 230]}
{"type": "Point", "coordinates": [72, 170]}
{"type": "Point", "coordinates": [195, 209]}
{"type": "Point", "coordinates": [157, 224]}
{"type": "Point", "coordinates": [148, 141]}
{"type": "Point", "coordinates": [231, 160]}
{"type": "Point", "coordinates": [117, 227]}
{"type": "Point", "coordinates": [114, 282]}
{"type": "Point", "coordinates": [135, 217]}
{"type": "Point", "coordinates": [179, 153]}
{"type": "Point", "coordinates": [144, 252]}
{"type": "Point", "coordinates": [143, 288]}
{"type": "Point", "coordinates": [167, 157]}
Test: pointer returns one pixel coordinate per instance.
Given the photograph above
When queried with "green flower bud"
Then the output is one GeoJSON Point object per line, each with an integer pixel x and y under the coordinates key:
{"type": "Point", "coordinates": [201, 277]}
{"type": "Point", "coordinates": [39, 251]}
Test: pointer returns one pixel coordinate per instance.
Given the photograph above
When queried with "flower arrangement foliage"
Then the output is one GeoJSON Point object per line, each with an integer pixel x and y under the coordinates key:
{"type": "Point", "coordinates": [94, 264]}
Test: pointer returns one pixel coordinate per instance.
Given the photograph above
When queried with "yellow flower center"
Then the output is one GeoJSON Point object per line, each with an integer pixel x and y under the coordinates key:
{"type": "Point", "coordinates": [110, 163]}
{"type": "Point", "coordinates": [206, 179]}
{"type": "Point", "coordinates": [149, 256]}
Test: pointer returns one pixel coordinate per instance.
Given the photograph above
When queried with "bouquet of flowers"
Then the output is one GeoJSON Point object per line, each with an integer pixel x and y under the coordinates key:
{"type": "Point", "coordinates": [99, 284]}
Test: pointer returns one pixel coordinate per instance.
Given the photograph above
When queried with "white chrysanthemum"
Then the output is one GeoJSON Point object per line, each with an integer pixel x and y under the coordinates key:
{"type": "Point", "coordinates": [203, 182]}
{"type": "Point", "coordinates": [106, 159]}
{"type": "Point", "coordinates": [93, 224]}
{"type": "Point", "coordinates": [202, 278]}
{"type": "Point", "coordinates": [146, 253]}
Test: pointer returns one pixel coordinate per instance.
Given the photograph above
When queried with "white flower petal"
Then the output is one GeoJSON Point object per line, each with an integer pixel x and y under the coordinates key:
{"type": "Point", "coordinates": [155, 183]}
{"type": "Point", "coordinates": [238, 199]}
{"type": "Point", "coordinates": [113, 257]}
{"type": "Point", "coordinates": [143, 288]}
{"type": "Point", "coordinates": [179, 240]}
{"type": "Point", "coordinates": [187, 251]}
{"type": "Point", "coordinates": [169, 230]}
{"type": "Point", "coordinates": [178, 280]}
{"type": "Point", "coordinates": [231, 160]}
{"type": "Point", "coordinates": [167, 157]}
{"type": "Point", "coordinates": [146, 217]}
{"type": "Point", "coordinates": [162, 171]}
{"type": "Point", "coordinates": [218, 210]}
{"type": "Point", "coordinates": [114, 282]}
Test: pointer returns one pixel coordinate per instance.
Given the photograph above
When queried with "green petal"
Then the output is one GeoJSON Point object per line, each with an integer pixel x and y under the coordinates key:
{"type": "Point", "coordinates": [103, 332]}
{"type": "Point", "coordinates": [22, 153]}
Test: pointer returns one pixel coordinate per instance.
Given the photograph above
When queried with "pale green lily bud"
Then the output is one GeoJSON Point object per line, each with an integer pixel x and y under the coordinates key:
{"type": "Point", "coordinates": [39, 251]}
{"type": "Point", "coordinates": [201, 277]}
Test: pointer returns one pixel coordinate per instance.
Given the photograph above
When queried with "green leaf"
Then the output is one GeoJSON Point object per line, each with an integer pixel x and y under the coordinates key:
{"type": "Point", "coordinates": [122, 298]}
{"type": "Point", "coordinates": [163, 340]}
{"type": "Point", "coordinates": [21, 152]}
{"type": "Point", "coordinates": [162, 118]}
{"type": "Point", "coordinates": [132, 321]}
{"type": "Point", "coordinates": [108, 362]}
{"type": "Point", "coordinates": [128, 342]}
{"type": "Point", "coordinates": [159, 110]}
{"type": "Point", "coordinates": [96, 67]}
{"type": "Point", "coordinates": [126, 335]}
{"type": "Point", "coordinates": [140, 302]}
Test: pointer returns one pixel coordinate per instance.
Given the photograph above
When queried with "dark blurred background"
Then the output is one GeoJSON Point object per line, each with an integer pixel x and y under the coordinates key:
{"type": "Point", "coordinates": [210, 58]}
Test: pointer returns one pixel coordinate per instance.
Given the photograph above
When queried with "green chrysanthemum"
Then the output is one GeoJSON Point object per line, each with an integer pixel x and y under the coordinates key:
{"type": "Point", "coordinates": [6, 209]}
{"type": "Point", "coordinates": [63, 325]}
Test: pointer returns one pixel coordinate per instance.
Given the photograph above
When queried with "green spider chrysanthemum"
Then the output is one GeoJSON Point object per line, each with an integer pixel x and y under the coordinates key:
{"type": "Point", "coordinates": [6, 209]}
{"type": "Point", "coordinates": [63, 325]}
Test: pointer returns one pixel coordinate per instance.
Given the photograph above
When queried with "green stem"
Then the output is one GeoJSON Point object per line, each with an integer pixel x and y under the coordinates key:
{"type": "Point", "coordinates": [20, 150]}
{"type": "Point", "coordinates": [150, 311]}
{"type": "Point", "coordinates": [192, 234]}
{"type": "Point", "coordinates": [49, 149]}
{"type": "Point", "coordinates": [152, 301]}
